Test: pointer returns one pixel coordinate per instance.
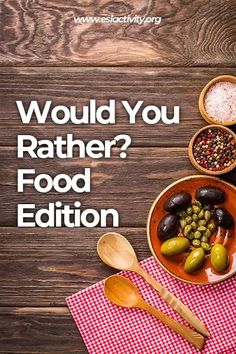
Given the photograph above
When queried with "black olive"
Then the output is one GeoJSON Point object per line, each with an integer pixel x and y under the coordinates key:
{"type": "Point", "coordinates": [223, 218]}
{"type": "Point", "coordinates": [168, 227]}
{"type": "Point", "coordinates": [210, 195]}
{"type": "Point", "coordinates": [177, 202]}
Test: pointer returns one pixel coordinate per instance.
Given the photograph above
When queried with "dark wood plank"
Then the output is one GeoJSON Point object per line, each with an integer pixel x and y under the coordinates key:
{"type": "Point", "coordinates": [43, 32]}
{"type": "Point", "coordinates": [130, 185]}
{"type": "Point", "coordinates": [39, 330]}
{"type": "Point", "coordinates": [41, 267]}
{"type": "Point", "coordinates": [73, 86]}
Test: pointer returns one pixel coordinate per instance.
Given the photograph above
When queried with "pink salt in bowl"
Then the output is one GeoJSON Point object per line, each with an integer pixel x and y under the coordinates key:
{"type": "Point", "coordinates": [205, 94]}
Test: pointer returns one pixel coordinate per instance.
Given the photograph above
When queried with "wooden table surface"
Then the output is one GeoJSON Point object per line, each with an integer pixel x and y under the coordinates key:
{"type": "Point", "coordinates": [45, 55]}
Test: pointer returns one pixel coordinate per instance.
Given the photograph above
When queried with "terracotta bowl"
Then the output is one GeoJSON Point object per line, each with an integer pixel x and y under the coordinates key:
{"type": "Point", "coordinates": [201, 101]}
{"type": "Point", "coordinates": [175, 265]}
{"type": "Point", "coordinates": [192, 158]}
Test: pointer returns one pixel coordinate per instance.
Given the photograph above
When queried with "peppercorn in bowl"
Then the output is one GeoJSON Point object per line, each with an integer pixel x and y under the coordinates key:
{"type": "Point", "coordinates": [212, 150]}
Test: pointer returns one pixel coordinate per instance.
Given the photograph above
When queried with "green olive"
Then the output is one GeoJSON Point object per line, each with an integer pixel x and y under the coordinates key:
{"type": "Point", "coordinates": [201, 228]}
{"type": "Point", "coordinates": [199, 204]}
{"type": "Point", "coordinates": [204, 239]}
{"type": "Point", "coordinates": [196, 209]}
{"type": "Point", "coordinates": [194, 260]}
{"type": "Point", "coordinates": [207, 233]}
{"type": "Point", "coordinates": [195, 217]}
{"type": "Point", "coordinates": [205, 246]}
{"type": "Point", "coordinates": [187, 229]}
{"type": "Point", "coordinates": [189, 211]}
{"type": "Point", "coordinates": [182, 223]}
{"type": "Point", "coordinates": [190, 236]}
{"type": "Point", "coordinates": [174, 246]}
{"type": "Point", "coordinates": [194, 225]}
{"type": "Point", "coordinates": [211, 226]}
{"type": "Point", "coordinates": [201, 214]}
{"type": "Point", "coordinates": [196, 243]}
{"type": "Point", "coordinates": [202, 222]}
{"type": "Point", "coordinates": [219, 257]}
{"type": "Point", "coordinates": [197, 235]}
{"type": "Point", "coordinates": [188, 219]}
{"type": "Point", "coordinates": [207, 215]}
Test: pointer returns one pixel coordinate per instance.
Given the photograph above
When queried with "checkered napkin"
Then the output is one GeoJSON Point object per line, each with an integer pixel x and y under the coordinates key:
{"type": "Point", "coordinates": [108, 329]}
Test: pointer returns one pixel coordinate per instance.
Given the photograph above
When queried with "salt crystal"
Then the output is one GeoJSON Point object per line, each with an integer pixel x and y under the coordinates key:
{"type": "Point", "coordinates": [220, 101]}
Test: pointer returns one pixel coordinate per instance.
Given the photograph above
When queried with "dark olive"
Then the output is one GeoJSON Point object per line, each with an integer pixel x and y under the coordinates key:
{"type": "Point", "coordinates": [223, 218]}
{"type": "Point", "coordinates": [210, 195]}
{"type": "Point", "coordinates": [177, 202]}
{"type": "Point", "coordinates": [168, 227]}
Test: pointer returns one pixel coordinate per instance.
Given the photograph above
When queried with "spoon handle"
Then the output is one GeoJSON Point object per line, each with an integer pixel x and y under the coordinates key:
{"type": "Point", "coordinates": [175, 303]}
{"type": "Point", "coordinates": [191, 336]}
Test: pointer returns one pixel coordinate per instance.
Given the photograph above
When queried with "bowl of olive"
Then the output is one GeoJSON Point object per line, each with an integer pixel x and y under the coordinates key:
{"type": "Point", "coordinates": [191, 229]}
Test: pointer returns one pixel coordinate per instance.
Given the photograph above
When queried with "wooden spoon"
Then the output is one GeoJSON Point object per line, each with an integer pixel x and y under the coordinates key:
{"type": "Point", "coordinates": [116, 251]}
{"type": "Point", "coordinates": [121, 292]}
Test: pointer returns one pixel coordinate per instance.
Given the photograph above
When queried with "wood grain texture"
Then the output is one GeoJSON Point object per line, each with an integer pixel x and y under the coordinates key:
{"type": "Point", "coordinates": [74, 86]}
{"type": "Point", "coordinates": [39, 330]}
{"type": "Point", "coordinates": [38, 267]}
{"type": "Point", "coordinates": [43, 32]}
{"type": "Point", "coordinates": [41, 267]}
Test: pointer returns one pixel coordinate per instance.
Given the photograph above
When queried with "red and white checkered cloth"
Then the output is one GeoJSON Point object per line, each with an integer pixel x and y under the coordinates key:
{"type": "Point", "coordinates": [108, 329]}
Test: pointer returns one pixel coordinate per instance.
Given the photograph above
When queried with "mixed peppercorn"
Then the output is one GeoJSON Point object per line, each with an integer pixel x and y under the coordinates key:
{"type": "Point", "coordinates": [214, 149]}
